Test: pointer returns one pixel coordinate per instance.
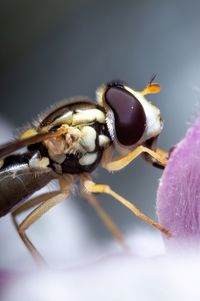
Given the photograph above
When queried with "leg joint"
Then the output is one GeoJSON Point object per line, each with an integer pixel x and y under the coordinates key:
{"type": "Point", "coordinates": [93, 187]}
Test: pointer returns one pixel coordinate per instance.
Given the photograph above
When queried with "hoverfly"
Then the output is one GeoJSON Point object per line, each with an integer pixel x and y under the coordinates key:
{"type": "Point", "coordinates": [69, 142]}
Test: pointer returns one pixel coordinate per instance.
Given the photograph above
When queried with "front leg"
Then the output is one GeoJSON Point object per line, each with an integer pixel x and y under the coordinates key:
{"type": "Point", "coordinates": [148, 158]}
{"type": "Point", "coordinates": [122, 161]}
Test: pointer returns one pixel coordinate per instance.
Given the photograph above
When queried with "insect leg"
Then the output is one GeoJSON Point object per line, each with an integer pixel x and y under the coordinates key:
{"type": "Point", "coordinates": [24, 207]}
{"type": "Point", "coordinates": [162, 153]}
{"type": "Point", "coordinates": [32, 203]}
{"type": "Point", "coordinates": [104, 216]}
{"type": "Point", "coordinates": [102, 188]}
{"type": "Point", "coordinates": [45, 205]}
{"type": "Point", "coordinates": [122, 161]}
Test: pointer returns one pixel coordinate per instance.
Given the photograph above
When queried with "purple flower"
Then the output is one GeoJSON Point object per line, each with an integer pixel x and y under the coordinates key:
{"type": "Point", "coordinates": [178, 197]}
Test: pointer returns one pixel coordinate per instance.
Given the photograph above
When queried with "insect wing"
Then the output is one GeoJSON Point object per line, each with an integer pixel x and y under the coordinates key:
{"type": "Point", "coordinates": [19, 182]}
{"type": "Point", "coordinates": [15, 145]}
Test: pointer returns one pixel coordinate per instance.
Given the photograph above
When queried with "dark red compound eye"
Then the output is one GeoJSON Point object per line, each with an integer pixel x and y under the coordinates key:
{"type": "Point", "coordinates": [130, 118]}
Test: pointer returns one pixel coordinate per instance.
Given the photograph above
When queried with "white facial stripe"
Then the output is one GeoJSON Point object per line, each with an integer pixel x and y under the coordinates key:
{"type": "Point", "coordinates": [153, 124]}
{"type": "Point", "coordinates": [88, 138]}
{"type": "Point", "coordinates": [88, 116]}
{"type": "Point", "coordinates": [103, 140]}
{"type": "Point", "coordinates": [88, 159]}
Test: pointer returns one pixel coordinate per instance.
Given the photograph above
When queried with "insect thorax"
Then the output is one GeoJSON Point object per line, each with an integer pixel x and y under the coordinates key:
{"type": "Point", "coordinates": [80, 150]}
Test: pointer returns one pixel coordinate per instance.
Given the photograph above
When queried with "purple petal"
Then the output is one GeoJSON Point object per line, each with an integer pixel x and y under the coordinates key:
{"type": "Point", "coordinates": [178, 197]}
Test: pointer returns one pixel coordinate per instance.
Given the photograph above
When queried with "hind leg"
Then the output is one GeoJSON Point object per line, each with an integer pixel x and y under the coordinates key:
{"type": "Point", "coordinates": [46, 202]}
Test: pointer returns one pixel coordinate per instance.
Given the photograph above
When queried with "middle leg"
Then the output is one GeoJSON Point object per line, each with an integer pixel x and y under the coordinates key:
{"type": "Point", "coordinates": [111, 226]}
{"type": "Point", "coordinates": [102, 188]}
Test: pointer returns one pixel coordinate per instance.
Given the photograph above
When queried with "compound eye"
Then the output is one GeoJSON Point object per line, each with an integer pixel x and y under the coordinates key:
{"type": "Point", "coordinates": [130, 118]}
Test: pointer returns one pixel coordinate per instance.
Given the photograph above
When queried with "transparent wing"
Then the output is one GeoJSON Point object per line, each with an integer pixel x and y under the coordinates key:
{"type": "Point", "coordinates": [15, 145]}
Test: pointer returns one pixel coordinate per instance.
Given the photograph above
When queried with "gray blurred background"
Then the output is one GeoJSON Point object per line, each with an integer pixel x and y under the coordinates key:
{"type": "Point", "coordinates": [51, 50]}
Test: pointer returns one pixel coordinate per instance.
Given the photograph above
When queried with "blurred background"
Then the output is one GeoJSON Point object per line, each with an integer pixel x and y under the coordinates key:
{"type": "Point", "coordinates": [52, 50]}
